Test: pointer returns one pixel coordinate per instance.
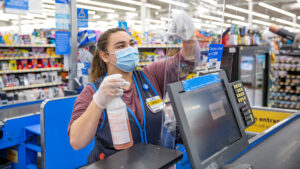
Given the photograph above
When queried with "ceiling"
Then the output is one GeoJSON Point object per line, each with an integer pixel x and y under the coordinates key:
{"type": "Point", "coordinates": [134, 11]}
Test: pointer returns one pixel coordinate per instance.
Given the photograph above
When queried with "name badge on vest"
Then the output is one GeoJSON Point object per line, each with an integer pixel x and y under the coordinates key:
{"type": "Point", "coordinates": [155, 104]}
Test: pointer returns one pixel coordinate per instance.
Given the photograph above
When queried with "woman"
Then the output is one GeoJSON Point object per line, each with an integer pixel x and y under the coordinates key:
{"type": "Point", "coordinates": [113, 74]}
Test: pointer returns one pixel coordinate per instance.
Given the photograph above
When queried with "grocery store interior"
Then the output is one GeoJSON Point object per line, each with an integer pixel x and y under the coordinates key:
{"type": "Point", "coordinates": [206, 84]}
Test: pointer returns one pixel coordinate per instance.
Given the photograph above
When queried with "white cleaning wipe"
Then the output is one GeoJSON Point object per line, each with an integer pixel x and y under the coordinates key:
{"type": "Point", "coordinates": [182, 25]}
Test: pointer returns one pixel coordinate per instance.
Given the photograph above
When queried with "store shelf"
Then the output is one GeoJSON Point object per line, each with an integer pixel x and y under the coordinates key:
{"type": "Point", "coordinates": [27, 46]}
{"type": "Point", "coordinates": [31, 86]}
{"type": "Point", "coordinates": [287, 62]}
{"type": "Point", "coordinates": [285, 107]}
{"type": "Point", "coordinates": [38, 57]}
{"type": "Point", "coordinates": [30, 70]}
{"type": "Point", "coordinates": [296, 77]}
{"type": "Point", "coordinates": [159, 46]}
{"type": "Point", "coordinates": [285, 91]}
{"type": "Point", "coordinates": [286, 69]}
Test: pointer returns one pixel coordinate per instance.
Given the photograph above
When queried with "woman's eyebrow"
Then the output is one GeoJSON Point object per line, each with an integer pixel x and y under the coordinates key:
{"type": "Point", "coordinates": [119, 43]}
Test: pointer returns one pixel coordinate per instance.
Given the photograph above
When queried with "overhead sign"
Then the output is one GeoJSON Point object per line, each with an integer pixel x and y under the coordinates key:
{"type": "Point", "coordinates": [16, 6]}
{"type": "Point", "coordinates": [214, 56]}
{"type": "Point", "coordinates": [266, 119]}
{"type": "Point", "coordinates": [62, 43]}
{"type": "Point", "coordinates": [62, 16]}
{"type": "Point", "coordinates": [123, 24]}
{"type": "Point", "coordinates": [82, 18]}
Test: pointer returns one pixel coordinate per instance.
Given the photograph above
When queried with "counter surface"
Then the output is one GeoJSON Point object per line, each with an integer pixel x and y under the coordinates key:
{"type": "Point", "coordinates": [277, 149]}
{"type": "Point", "coordinates": [140, 156]}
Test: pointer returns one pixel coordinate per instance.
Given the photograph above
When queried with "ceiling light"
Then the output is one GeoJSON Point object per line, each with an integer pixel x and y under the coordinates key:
{"type": "Point", "coordinates": [286, 22]}
{"type": "Point", "coordinates": [261, 22]}
{"type": "Point", "coordinates": [37, 15]}
{"type": "Point", "coordinates": [212, 2]}
{"type": "Point", "coordinates": [201, 9]}
{"type": "Point", "coordinates": [240, 23]}
{"type": "Point", "coordinates": [27, 16]}
{"type": "Point", "coordinates": [48, 10]}
{"type": "Point", "coordinates": [8, 16]}
{"type": "Point", "coordinates": [197, 20]}
{"type": "Point", "coordinates": [164, 19]}
{"type": "Point", "coordinates": [155, 21]}
{"type": "Point", "coordinates": [140, 4]}
{"type": "Point", "coordinates": [48, 6]}
{"type": "Point", "coordinates": [96, 17]}
{"type": "Point", "coordinates": [220, 24]}
{"type": "Point", "coordinates": [155, 27]}
{"type": "Point", "coordinates": [131, 14]}
{"type": "Point", "coordinates": [3, 19]}
{"type": "Point", "coordinates": [276, 9]}
{"type": "Point", "coordinates": [48, 13]}
{"type": "Point", "coordinates": [298, 17]}
{"type": "Point", "coordinates": [181, 4]}
{"type": "Point", "coordinates": [107, 5]}
{"type": "Point", "coordinates": [210, 17]}
{"type": "Point", "coordinates": [130, 21]}
{"type": "Point", "coordinates": [112, 15]}
{"type": "Point", "coordinates": [199, 25]}
{"type": "Point", "coordinates": [247, 11]}
{"type": "Point", "coordinates": [96, 8]}
{"type": "Point", "coordinates": [103, 23]}
{"type": "Point", "coordinates": [49, 1]}
{"type": "Point", "coordinates": [230, 15]}
{"type": "Point", "coordinates": [91, 12]}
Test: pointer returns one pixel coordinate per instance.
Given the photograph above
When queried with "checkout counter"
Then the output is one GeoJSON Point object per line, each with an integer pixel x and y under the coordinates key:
{"type": "Point", "coordinates": [225, 115]}
{"type": "Point", "coordinates": [213, 115]}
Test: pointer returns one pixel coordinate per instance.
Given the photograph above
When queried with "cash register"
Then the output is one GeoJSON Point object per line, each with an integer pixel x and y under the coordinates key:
{"type": "Point", "coordinates": [212, 115]}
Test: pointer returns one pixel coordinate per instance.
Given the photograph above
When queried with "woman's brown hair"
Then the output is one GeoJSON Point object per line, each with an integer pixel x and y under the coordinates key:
{"type": "Point", "coordinates": [99, 67]}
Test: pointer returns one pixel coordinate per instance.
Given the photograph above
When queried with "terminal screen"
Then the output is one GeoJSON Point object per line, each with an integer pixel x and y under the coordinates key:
{"type": "Point", "coordinates": [210, 118]}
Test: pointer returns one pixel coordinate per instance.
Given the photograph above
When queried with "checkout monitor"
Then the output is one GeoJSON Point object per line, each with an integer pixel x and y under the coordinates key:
{"type": "Point", "coordinates": [208, 119]}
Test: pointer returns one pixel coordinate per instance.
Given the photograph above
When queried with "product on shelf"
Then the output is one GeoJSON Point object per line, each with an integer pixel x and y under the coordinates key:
{"type": "Point", "coordinates": [285, 76]}
{"type": "Point", "coordinates": [20, 59]}
{"type": "Point", "coordinates": [241, 36]}
{"type": "Point", "coordinates": [38, 37]}
{"type": "Point", "coordinates": [16, 80]}
{"type": "Point", "coordinates": [30, 95]}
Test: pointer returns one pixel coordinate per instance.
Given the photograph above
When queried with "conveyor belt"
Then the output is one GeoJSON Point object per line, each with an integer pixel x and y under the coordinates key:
{"type": "Point", "coordinates": [279, 151]}
{"type": "Point", "coordinates": [17, 111]}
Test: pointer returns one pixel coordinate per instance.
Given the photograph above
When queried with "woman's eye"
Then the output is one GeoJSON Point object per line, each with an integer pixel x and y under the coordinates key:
{"type": "Point", "coordinates": [132, 44]}
{"type": "Point", "coordinates": [120, 47]}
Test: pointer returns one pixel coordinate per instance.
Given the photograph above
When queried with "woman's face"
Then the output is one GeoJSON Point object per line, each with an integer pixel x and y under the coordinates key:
{"type": "Point", "coordinates": [117, 41]}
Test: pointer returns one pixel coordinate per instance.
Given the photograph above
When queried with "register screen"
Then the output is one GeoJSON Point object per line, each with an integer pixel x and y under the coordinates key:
{"type": "Point", "coordinates": [210, 118]}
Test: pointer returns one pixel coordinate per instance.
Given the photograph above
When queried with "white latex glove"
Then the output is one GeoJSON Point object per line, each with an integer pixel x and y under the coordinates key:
{"type": "Point", "coordinates": [110, 87]}
{"type": "Point", "coordinates": [182, 25]}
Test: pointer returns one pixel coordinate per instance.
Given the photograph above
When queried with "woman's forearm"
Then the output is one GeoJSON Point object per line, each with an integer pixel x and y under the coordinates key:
{"type": "Point", "coordinates": [84, 128]}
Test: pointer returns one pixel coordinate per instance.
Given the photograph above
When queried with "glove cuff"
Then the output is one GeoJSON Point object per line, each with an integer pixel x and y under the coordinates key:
{"type": "Point", "coordinates": [97, 102]}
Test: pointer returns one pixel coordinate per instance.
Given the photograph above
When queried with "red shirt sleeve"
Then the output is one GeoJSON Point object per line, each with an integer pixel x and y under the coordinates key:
{"type": "Point", "coordinates": [81, 104]}
{"type": "Point", "coordinates": [158, 68]}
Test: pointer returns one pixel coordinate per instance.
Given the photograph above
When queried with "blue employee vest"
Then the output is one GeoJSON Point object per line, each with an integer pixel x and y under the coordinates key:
{"type": "Point", "coordinates": [149, 132]}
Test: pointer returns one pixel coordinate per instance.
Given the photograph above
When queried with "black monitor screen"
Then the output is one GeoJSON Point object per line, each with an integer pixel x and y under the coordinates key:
{"type": "Point", "coordinates": [210, 118]}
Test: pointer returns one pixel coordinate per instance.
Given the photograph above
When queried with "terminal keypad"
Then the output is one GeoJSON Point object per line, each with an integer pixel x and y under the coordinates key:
{"type": "Point", "coordinates": [243, 103]}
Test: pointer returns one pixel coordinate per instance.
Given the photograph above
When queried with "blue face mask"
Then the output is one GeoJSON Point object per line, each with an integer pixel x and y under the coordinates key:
{"type": "Point", "coordinates": [127, 59]}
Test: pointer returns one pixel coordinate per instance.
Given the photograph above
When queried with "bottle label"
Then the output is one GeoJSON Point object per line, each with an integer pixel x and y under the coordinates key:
{"type": "Point", "coordinates": [119, 126]}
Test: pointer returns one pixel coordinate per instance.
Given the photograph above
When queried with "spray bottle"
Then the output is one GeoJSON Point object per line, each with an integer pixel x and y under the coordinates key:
{"type": "Point", "coordinates": [119, 124]}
